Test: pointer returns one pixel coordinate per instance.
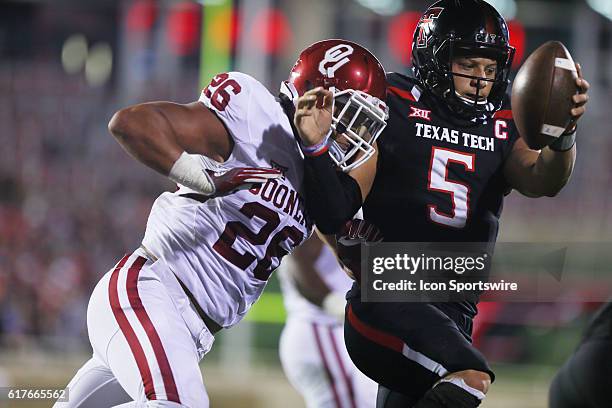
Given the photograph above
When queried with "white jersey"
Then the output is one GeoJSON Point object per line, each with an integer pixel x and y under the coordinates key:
{"type": "Point", "coordinates": [328, 268]}
{"type": "Point", "coordinates": [225, 249]}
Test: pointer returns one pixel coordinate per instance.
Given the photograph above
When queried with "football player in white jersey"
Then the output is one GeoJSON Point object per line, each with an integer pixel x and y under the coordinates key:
{"type": "Point", "coordinates": [210, 247]}
{"type": "Point", "coordinates": [312, 349]}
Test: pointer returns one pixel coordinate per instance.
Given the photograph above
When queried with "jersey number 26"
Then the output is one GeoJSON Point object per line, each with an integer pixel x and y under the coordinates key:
{"type": "Point", "coordinates": [235, 229]}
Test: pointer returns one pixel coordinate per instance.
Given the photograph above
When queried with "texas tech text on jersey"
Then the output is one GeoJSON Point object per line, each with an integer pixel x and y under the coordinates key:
{"type": "Point", "coordinates": [444, 176]}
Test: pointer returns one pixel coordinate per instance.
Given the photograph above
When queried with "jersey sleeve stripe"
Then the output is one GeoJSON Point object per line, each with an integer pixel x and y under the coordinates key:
{"type": "Point", "coordinates": [402, 93]}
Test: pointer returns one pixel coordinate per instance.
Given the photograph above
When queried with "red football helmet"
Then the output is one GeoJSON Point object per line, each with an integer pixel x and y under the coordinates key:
{"type": "Point", "coordinates": [359, 84]}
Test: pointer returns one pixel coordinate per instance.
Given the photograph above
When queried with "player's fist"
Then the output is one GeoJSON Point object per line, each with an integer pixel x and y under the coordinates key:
{"type": "Point", "coordinates": [240, 178]}
{"type": "Point", "coordinates": [348, 242]}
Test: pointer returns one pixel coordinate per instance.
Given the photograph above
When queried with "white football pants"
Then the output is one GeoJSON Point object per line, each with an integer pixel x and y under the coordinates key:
{"type": "Point", "coordinates": [318, 366]}
{"type": "Point", "coordinates": [147, 342]}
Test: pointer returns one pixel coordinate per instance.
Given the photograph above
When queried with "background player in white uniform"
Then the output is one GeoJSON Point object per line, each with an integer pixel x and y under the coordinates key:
{"type": "Point", "coordinates": [312, 348]}
{"type": "Point", "coordinates": [208, 250]}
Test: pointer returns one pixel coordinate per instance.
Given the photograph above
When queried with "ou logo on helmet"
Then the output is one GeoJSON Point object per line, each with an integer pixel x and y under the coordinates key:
{"type": "Point", "coordinates": [337, 56]}
{"type": "Point", "coordinates": [425, 25]}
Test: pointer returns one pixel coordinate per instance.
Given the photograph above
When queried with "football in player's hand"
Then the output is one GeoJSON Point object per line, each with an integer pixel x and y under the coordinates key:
{"type": "Point", "coordinates": [542, 94]}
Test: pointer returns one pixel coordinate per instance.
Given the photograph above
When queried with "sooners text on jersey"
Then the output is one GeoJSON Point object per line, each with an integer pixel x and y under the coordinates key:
{"type": "Point", "coordinates": [225, 248]}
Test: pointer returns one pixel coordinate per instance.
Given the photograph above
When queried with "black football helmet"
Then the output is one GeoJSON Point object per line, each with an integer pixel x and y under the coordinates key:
{"type": "Point", "coordinates": [451, 28]}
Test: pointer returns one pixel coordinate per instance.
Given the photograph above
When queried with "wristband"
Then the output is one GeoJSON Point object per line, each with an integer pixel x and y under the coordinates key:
{"type": "Point", "coordinates": [564, 142]}
{"type": "Point", "coordinates": [188, 171]}
{"type": "Point", "coordinates": [319, 148]}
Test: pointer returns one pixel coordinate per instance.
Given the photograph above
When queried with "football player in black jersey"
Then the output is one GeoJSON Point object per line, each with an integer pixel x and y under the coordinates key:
{"type": "Point", "coordinates": [449, 154]}
{"type": "Point", "coordinates": [585, 380]}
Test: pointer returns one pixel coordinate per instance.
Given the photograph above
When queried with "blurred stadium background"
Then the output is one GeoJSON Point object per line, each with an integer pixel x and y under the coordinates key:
{"type": "Point", "coordinates": [72, 202]}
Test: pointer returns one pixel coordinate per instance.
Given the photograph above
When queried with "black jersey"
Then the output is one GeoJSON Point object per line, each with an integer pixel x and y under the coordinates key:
{"type": "Point", "coordinates": [600, 326]}
{"type": "Point", "coordinates": [439, 179]}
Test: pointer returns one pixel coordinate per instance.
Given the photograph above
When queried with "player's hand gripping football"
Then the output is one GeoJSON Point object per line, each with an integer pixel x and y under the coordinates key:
{"type": "Point", "coordinates": [348, 243]}
{"type": "Point", "coordinates": [240, 178]}
{"type": "Point", "coordinates": [580, 99]}
{"type": "Point", "coordinates": [313, 116]}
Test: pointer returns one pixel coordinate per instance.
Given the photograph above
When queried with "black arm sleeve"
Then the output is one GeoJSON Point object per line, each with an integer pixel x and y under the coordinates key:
{"type": "Point", "coordinates": [332, 197]}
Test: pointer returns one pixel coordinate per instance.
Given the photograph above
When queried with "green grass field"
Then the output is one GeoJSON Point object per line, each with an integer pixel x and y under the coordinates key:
{"type": "Point", "coordinates": [235, 385]}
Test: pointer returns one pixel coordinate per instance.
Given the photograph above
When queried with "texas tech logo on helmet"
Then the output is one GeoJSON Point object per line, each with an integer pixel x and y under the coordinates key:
{"type": "Point", "coordinates": [425, 25]}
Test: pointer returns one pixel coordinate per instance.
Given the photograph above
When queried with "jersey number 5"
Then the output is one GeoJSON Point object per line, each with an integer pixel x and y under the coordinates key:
{"type": "Point", "coordinates": [459, 192]}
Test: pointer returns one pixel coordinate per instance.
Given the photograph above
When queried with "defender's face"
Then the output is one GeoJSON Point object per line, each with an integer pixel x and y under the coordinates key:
{"type": "Point", "coordinates": [474, 67]}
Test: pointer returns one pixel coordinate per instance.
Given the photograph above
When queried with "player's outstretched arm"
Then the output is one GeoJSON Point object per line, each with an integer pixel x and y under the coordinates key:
{"type": "Point", "coordinates": [307, 280]}
{"type": "Point", "coordinates": [165, 136]}
{"type": "Point", "coordinates": [332, 197]}
{"type": "Point", "coordinates": [546, 172]}
{"type": "Point", "coordinates": [309, 283]}
{"type": "Point", "coordinates": [157, 133]}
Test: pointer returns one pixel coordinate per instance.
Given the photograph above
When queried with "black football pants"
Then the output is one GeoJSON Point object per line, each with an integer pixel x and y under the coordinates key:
{"type": "Point", "coordinates": [408, 347]}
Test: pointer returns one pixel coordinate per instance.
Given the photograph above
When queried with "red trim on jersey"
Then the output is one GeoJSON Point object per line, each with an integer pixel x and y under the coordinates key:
{"type": "Point", "coordinates": [147, 324]}
{"type": "Point", "coordinates": [326, 365]}
{"type": "Point", "coordinates": [375, 335]}
{"type": "Point", "coordinates": [349, 385]}
{"type": "Point", "coordinates": [503, 114]}
{"type": "Point", "coordinates": [128, 332]}
{"type": "Point", "coordinates": [402, 93]}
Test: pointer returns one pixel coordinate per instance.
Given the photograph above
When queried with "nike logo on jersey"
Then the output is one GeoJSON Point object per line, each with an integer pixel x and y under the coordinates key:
{"type": "Point", "coordinates": [453, 136]}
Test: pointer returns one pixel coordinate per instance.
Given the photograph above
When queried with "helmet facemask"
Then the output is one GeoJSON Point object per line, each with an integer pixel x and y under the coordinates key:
{"type": "Point", "coordinates": [358, 84]}
{"type": "Point", "coordinates": [357, 120]}
{"type": "Point", "coordinates": [442, 79]}
{"type": "Point", "coordinates": [449, 28]}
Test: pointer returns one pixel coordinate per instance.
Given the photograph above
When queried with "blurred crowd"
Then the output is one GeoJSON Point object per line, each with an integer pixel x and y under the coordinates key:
{"type": "Point", "coordinates": [71, 202]}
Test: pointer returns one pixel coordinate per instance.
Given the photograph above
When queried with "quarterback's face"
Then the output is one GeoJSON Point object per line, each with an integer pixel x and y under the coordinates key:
{"type": "Point", "coordinates": [474, 67]}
